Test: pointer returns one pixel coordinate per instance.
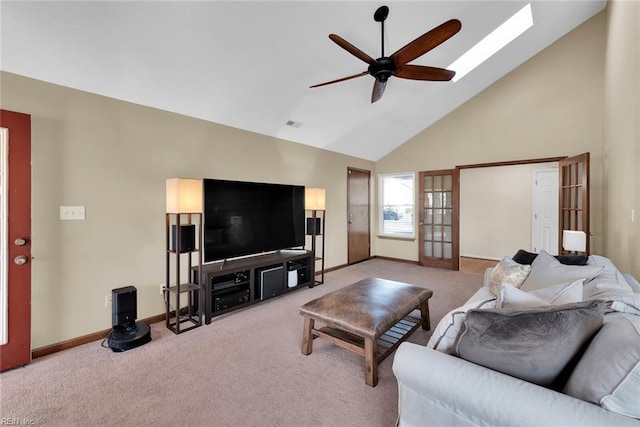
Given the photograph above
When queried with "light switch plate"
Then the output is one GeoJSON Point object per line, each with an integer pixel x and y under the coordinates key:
{"type": "Point", "coordinates": [72, 212]}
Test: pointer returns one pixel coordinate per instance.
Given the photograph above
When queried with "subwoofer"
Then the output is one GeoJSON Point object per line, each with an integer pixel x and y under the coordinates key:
{"type": "Point", "coordinates": [271, 282]}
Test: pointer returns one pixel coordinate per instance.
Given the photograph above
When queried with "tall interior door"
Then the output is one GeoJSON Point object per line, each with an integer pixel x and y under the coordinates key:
{"type": "Point", "coordinates": [439, 219]}
{"type": "Point", "coordinates": [574, 197]}
{"type": "Point", "coordinates": [544, 219]}
{"type": "Point", "coordinates": [358, 220]}
{"type": "Point", "coordinates": [15, 258]}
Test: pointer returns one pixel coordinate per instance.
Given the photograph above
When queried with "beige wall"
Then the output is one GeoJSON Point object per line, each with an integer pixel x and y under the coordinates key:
{"type": "Point", "coordinates": [113, 157]}
{"type": "Point", "coordinates": [550, 106]}
{"type": "Point", "coordinates": [622, 135]}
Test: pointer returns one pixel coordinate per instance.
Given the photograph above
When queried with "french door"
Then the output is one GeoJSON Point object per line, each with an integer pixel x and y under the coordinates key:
{"type": "Point", "coordinates": [439, 219]}
{"type": "Point", "coordinates": [574, 197]}
{"type": "Point", "coordinates": [15, 220]}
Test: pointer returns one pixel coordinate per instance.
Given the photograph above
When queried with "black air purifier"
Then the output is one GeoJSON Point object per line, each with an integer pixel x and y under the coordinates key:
{"type": "Point", "coordinates": [126, 333]}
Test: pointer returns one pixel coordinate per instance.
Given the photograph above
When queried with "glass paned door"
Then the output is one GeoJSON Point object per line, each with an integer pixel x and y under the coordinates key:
{"type": "Point", "coordinates": [574, 197]}
{"type": "Point", "coordinates": [439, 219]}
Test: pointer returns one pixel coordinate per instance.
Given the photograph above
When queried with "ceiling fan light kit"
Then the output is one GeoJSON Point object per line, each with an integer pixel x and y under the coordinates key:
{"type": "Point", "coordinates": [397, 64]}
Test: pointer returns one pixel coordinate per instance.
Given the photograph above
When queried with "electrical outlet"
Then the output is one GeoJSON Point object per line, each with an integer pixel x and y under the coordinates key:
{"type": "Point", "coordinates": [107, 301]}
{"type": "Point", "coordinates": [161, 288]}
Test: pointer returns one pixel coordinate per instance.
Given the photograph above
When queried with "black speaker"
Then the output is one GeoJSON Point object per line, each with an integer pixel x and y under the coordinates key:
{"type": "Point", "coordinates": [271, 282]}
{"type": "Point", "coordinates": [313, 227]}
{"type": "Point", "coordinates": [124, 306]}
{"type": "Point", "coordinates": [187, 238]}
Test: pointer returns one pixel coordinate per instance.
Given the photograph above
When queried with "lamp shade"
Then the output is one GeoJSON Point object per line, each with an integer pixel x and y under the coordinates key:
{"type": "Point", "coordinates": [314, 199]}
{"type": "Point", "coordinates": [574, 240]}
{"type": "Point", "coordinates": [184, 195]}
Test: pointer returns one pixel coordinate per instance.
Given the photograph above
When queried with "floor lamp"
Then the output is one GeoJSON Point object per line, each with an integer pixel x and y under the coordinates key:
{"type": "Point", "coordinates": [184, 202]}
{"type": "Point", "coordinates": [314, 201]}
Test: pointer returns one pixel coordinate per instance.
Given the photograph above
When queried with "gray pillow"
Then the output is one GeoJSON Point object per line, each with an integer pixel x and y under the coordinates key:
{"type": "Point", "coordinates": [535, 344]}
{"type": "Point", "coordinates": [608, 374]}
{"type": "Point", "coordinates": [547, 271]}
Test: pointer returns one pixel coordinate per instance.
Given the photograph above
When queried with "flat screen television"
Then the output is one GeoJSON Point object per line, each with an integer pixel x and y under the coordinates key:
{"type": "Point", "coordinates": [245, 218]}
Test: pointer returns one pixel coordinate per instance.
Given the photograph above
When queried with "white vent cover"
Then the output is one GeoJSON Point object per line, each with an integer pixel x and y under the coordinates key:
{"type": "Point", "coordinates": [293, 124]}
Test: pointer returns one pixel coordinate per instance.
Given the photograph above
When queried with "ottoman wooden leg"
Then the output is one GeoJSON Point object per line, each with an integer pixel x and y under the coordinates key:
{"type": "Point", "coordinates": [424, 311]}
{"type": "Point", "coordinates": [370, 362]}
{"type": "Point", "coordinates": [307, 336]}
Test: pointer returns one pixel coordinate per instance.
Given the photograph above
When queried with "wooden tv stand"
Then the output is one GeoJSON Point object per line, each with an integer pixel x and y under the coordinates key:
{"type": "Point", "coordinates": [236, 284]}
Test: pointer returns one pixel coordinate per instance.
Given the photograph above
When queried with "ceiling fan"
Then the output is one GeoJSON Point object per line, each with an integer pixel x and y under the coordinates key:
{"type": "Point", "coordinates": [397, 64]}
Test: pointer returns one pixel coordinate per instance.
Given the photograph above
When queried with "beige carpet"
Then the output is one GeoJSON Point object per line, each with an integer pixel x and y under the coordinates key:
{"type": "Point", "coordinates": [244, 369]}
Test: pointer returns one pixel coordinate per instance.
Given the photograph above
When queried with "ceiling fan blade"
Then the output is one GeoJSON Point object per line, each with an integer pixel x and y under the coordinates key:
{"type": "Point", "coordinates": [422, 72]}
{"type": "Point", "coordinates": [364, 73]}
{"type": "Point", "coordinates": [426, 42]}
{"type": "Point", "coordinates": [378, 90]}
{"type": "Point", "coordinates": [351, 48]}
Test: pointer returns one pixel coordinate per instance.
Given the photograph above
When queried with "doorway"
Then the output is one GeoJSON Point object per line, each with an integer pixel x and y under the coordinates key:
{"type": "Point", "coordinates": [15, 202]}
{"type": "Point", "coordinates": [544, 215]}
{"type": "Point", "coordinates": [358, 221]}
{"type": "Point", "coordinates": [571, 212]}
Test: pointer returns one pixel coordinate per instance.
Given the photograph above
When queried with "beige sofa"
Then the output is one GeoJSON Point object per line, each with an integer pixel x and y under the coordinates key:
{"type": "Point", "coordinates": [436, 388]}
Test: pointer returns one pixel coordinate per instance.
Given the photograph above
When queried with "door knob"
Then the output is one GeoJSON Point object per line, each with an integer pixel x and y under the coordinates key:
{"type": "Point", "coordinates": [20, 260]}
{"type": "Point", "coordinates": [20, 241]}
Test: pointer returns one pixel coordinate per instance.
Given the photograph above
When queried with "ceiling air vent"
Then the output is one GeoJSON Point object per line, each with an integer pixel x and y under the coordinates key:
{"type": "Point", "coordinates": [293, 124]}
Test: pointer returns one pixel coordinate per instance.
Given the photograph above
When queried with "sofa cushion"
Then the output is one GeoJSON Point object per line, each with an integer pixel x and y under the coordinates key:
{"type": "Point", "coordinates": [507, 271]}
{"type": "Point", "coordinates": [445, 335]}
{"type": "Point", "coordinates": [608, 374]}
{"type": "Point", "coordinates": [533, 345]}
{"type": "Point", "coordinates": [562, 293]}
{"type": "Point", "coordinates": [608, 279]}
{"type": "Point", "coordinates": [547, 271]}
{"type": "Point", "coordinates": [632, 282]}
{"type": "Point", "coordinates": [524, 257]}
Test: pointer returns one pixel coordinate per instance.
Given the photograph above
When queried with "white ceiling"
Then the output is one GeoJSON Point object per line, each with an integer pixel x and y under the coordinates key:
{"type": "Point", "coordinates": [249, 65]}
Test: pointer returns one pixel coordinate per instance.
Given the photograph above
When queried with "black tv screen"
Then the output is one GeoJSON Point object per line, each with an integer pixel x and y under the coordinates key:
{"type": "Point", "coordinates": [245, 218]}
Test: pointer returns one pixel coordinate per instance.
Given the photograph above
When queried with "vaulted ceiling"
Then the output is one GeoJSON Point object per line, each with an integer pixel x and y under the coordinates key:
{"type": "Point", "coordinates": [249, 65]}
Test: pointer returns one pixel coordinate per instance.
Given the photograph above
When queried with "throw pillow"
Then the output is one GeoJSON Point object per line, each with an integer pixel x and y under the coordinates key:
{"type": "Point", "coordinates": [562, 293]}
{"type": "Point", "coordinates": [507, 272]}
{"type": "Point", "coordinates": [445, 335]}
{"type": "Point", "coordinates": [524, 257]}
{"type": "Point", "coordinates": [547, 271]}
{"type": "Point", "coordinates": [533, 345]}
{"type": "Point", "coordinates": [608, 374]}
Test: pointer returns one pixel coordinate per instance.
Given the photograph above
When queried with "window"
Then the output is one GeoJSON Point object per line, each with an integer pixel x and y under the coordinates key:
{"type": "Point", "coordinates": [397, 200]}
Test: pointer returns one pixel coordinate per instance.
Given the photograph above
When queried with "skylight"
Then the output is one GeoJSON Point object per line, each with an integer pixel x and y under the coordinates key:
{"type": "Point", "coordinates": [508, 31]}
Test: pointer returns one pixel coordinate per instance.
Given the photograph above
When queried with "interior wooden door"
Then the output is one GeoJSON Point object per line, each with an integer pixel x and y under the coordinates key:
{"type": "Point", "coordinates": [439, 219]}
{"type": "Point", "coordinates": [358, 221]}
{"type": "Point", "coordinates": [15, 347]}
{"type": "Point", "coordinates": [574, 197]}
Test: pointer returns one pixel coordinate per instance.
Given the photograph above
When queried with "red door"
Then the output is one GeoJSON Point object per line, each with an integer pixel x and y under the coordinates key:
{"type": "Point", "coordinates": [15, 348]}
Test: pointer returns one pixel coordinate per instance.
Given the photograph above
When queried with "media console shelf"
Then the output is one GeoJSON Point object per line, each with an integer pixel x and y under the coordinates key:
{"type": "Point", "coordinates": [239, 283]}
